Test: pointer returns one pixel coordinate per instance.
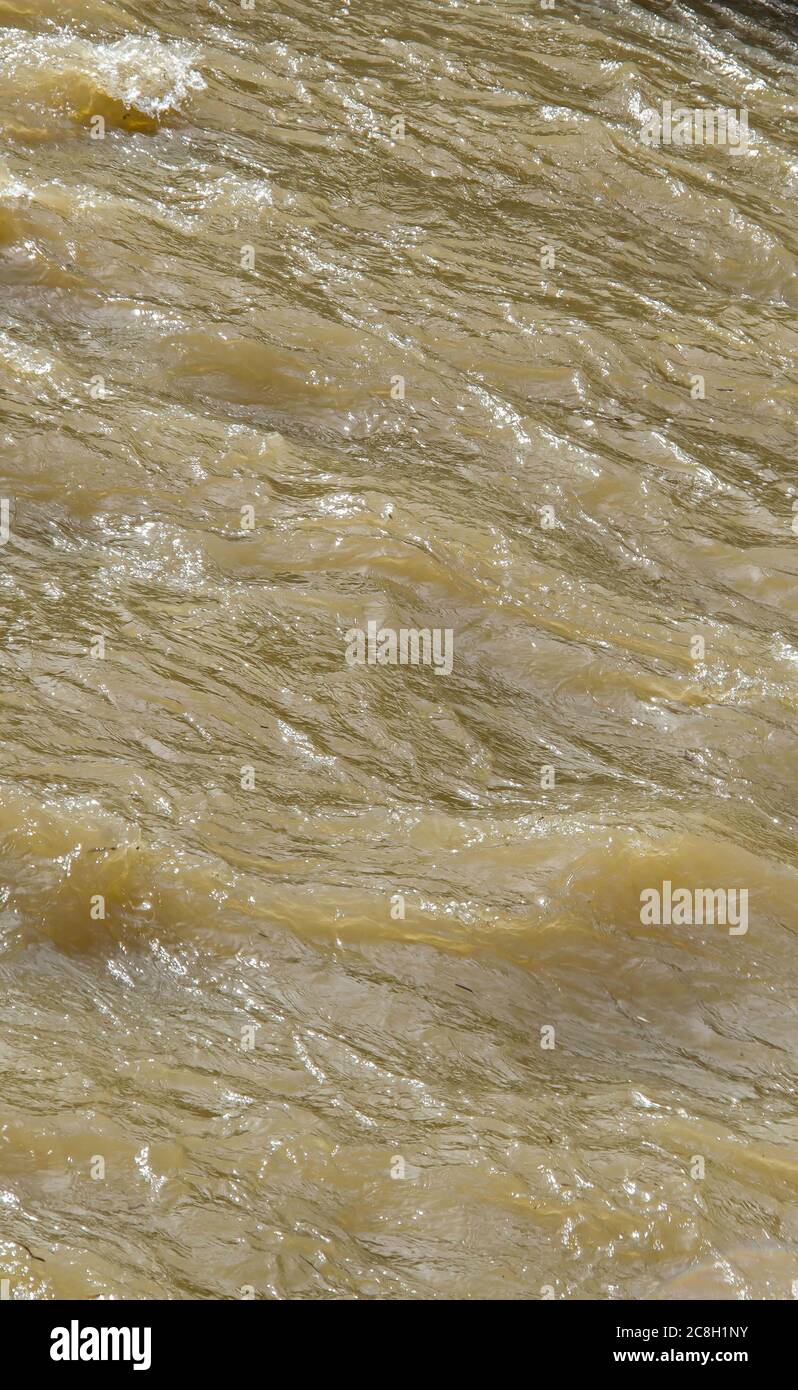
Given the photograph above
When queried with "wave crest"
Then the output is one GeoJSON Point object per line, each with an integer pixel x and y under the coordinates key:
{"type": "Point", "coordinates": [134, 77]}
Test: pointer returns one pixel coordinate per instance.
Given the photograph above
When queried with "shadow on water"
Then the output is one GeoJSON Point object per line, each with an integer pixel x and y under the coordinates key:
{"type": "Point", "coordinates": [773, 19]}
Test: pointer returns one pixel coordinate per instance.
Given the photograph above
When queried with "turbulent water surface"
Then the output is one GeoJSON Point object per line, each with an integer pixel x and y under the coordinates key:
{"type": "Point", "coordinates": [321, 979]}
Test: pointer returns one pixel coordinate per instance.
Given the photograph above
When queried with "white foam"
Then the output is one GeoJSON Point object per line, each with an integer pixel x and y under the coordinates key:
{"type": "Point", "coordinates": [143, 73]}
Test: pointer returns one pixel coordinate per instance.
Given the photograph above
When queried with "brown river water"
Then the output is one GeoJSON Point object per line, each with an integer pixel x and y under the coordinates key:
{"type": "Point", "coordinates": [329, 979]}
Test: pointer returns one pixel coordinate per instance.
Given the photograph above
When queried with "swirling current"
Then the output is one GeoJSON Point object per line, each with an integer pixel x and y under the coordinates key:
{"type": "Point", "coordinates": [398, 649]}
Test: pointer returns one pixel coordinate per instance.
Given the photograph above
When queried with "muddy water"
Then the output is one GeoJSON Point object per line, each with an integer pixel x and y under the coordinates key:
{"type": "Point", "coordinates": [321, 979]}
